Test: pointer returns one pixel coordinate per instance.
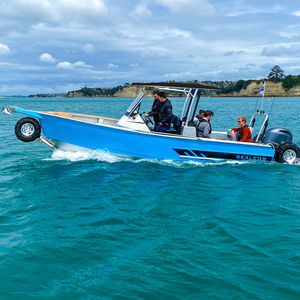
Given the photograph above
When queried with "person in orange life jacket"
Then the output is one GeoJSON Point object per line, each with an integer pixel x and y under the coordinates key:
{"type": "Point", "coordinates": [165, 113]}
{"type": "Point", "coordinates": [155, 108]}
{"type": "Point", "coordinates": [243, 133]}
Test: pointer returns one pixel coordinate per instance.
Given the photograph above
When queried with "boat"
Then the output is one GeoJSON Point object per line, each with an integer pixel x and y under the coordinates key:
{"type": "Point", "coordinates": [132, 135]}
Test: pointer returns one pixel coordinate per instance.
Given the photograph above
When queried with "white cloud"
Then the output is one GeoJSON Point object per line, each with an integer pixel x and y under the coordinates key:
{"type": "Point", "coordinates": [134, 65]}
{"type": "Point", "coordinates": [81, 64]}
{"type": "Point", "coordinates": [68, 65]}
{"type": "Point", "coordinates": [141, 11]}
{"type": "Point", "coordinates": [199, 7]}
{"type": "Point", "coordinates": [89, 48]}
{"type": "Point", "coordinates": [20, 15]}
{"type": "Point", "coordinates": [74, 11]}
{"type": "Point", "coordinates": [64, 65]}
{"type": "Point", "coordinates": [289, 34]}
{"type": "Point", "coordinates": [4, 50]}
{"type": "Point", "coordinates": [296, 13]}
{"type": "Point", "coordinates": [48, 58]}
{"type": "Point", "coordinates": [112, 66]}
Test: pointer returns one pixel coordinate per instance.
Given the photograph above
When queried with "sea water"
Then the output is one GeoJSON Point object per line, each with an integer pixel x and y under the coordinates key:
{"type": "Point", "coordinates": [93, 225]}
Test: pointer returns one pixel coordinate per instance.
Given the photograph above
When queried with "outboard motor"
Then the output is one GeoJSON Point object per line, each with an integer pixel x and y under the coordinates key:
{"type": "Point", "coordinates": [276, 136]}
{"type": "Point", "coordinates": [281, 139]}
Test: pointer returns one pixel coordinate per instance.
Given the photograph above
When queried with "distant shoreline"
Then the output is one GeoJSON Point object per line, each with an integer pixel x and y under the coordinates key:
{"type": "Point", "coordinates": [228, 89]}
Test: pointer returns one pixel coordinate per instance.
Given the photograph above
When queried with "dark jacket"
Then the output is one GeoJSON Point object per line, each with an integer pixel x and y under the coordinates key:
{"type": "Point", "coordinates": [165, 113]}
{"type": "Point", "coordinates": [155, 110]}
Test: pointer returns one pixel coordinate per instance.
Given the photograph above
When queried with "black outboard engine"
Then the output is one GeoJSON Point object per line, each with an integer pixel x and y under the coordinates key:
{"type": "Point", "coordinates": [276, 136]}
{"type": "Point", "coordinates": [281, 139]}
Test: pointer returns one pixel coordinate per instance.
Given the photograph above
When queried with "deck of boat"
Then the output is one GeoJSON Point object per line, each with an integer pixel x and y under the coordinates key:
{"type": "Point", "coordinates": [84, 118]}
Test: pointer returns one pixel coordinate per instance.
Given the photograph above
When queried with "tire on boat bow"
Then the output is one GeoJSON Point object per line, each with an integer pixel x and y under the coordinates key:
{"type": "Point", "coordinates": [28, 129]}
{"type": "Point", "coordinates": [287, 153]}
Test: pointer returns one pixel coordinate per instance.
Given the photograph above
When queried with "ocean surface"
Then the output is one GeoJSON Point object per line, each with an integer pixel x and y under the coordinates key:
{"type": "Point", "coordinates": [92, 225]}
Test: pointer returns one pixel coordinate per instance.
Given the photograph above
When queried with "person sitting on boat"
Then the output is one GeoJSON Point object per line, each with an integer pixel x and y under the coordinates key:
{"type": "Point", "coordinates": [165, 113]}
{"type": "Point", "coordinates": [195, 120]}
{"type": "Point", "coordinates": [155, 108]}
{"type": "Point", "coordinates": [242, 133]}
{"type": "Point", "coordinates": [200, 115]}
{"type": "Point", "coordinates": [203, 126]}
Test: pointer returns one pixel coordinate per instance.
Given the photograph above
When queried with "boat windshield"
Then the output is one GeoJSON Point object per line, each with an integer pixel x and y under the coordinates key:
{"type": "Point", "coordinates": [133, 108]}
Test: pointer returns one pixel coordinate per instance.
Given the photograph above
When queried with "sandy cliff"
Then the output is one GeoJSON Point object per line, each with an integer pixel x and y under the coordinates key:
{"type": "Point", "coordinates": [132, 91]}
{"type": "Point", "coordinates": [273, 89]}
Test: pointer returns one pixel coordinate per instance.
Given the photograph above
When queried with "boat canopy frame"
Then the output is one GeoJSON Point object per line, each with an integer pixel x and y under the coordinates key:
{"type": "Point", "coordinates": [191, 90]}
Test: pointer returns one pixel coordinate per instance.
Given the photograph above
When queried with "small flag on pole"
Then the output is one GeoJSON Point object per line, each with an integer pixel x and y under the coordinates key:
{"type": "Point", "coordinates": [262, 89]}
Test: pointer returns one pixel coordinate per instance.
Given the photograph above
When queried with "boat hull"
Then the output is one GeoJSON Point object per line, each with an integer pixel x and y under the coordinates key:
{"type": "Point", "coordinates": [151, 145]}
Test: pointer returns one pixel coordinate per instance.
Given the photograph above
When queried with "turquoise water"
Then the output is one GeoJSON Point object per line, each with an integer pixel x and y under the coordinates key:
{"type": "Point", "coordinates": [96, 226]}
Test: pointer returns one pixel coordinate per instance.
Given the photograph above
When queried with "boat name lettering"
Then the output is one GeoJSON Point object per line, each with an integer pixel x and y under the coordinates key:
{"type": "Point", "coordinates": [219, 155]}
{"type": "Point", "coordinates": [250, 157]}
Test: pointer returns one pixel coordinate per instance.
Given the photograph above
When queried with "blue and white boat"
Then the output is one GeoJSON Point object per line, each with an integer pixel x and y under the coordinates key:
{"type": "Point", "coordinates": [131, 136]}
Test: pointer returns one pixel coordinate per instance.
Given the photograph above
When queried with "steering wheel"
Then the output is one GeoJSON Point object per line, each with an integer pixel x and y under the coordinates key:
{"type": "Point", "coordinates": [146, 120]}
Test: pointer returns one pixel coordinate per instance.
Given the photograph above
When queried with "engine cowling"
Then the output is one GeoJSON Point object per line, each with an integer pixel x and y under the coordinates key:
{"type": "Point", "coordinates": [276, 136]}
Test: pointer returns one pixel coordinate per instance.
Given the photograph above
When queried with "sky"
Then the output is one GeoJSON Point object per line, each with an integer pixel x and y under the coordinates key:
{"type": "Point", "coordinates": [52, 46]}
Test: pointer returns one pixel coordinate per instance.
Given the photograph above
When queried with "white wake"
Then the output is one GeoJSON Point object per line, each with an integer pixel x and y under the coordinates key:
{"type": "Point", "coordinates": [108, 157]}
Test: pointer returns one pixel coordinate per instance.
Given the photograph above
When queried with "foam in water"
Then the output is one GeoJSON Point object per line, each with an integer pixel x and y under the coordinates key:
{"type": "Point", "coordinates": [104, 156]}
{"type": "Point", "coordinates": [87, 155]}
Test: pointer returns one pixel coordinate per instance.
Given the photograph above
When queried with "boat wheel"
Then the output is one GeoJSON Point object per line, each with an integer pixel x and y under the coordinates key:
{"type": "Point", "coordinates": [287, 153]}
{"type": "Point", "coordinates": [28, 129]}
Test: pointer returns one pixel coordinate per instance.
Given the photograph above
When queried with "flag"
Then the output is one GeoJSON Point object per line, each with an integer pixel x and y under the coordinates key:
{"type": "Point", "coordinates": [262, 89]}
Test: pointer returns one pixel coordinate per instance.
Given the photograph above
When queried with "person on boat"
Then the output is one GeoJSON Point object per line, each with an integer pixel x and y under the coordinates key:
{"type": "Point", "coordinates": [242, 133]}
{"type": "Point", "coordinates": [195, 120]}
{"type": "Point", "coordinates": [203, 126]}
{"type": "Point", "coordinates": [200, 115]}
{"type": "Point", "coordinates": [165, 113]}
{"type": "Point", "coordinates": [155, 108]}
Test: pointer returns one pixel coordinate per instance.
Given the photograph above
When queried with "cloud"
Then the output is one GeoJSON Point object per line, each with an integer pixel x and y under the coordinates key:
{"type": "Point", "coordinates": [296, 13]}
{"type": "Point", "coordinates": [81, 64]}
{"type": "Point", "coordinates": [154, 52]}
{"type": "Point", "coordinates": [281, 50]}
{"type": "Point", "coordinates": [141, 11]}
{"type": "Point", "coordinates": [181, 75]}
{"type": "Point", "coordinates": [64, 65]}
{"type": "Point", "coordinates": [112, 66]}
{"type": "Point", "coordinates": [4, 50]}
{"type": "Point", "coordinates": [48, 58]}
{"type": "Point", "coordinates": [134, 65]}
{"type": "Point", "coordinates": [231, 53]}
{"type": "Point", "coordinates": [89, 48]}
{"type": "Point", "coordinates": [199, 7]}
{"type": "Point", "coordinates": [70, 66]}
{"type": "Point", "coordinates": [19, 15]}
{"type": "Point", "coordinates": [241, 7]}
